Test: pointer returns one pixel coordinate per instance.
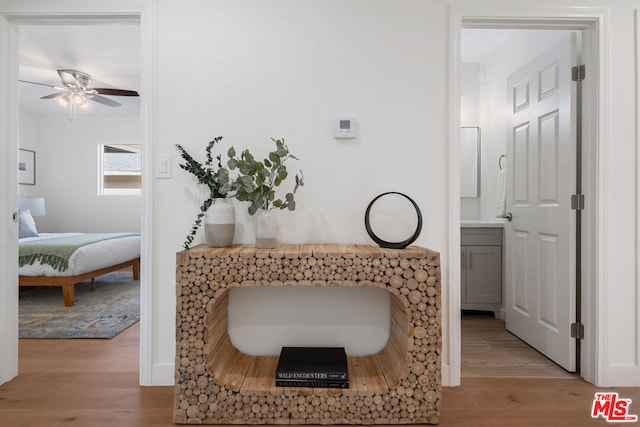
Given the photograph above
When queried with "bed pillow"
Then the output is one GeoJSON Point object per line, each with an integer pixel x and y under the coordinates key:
{"type": "Point", "coordinates": [26, 225]}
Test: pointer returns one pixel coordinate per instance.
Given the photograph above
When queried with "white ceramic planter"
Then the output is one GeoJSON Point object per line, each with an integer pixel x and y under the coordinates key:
{"type": "Point", "coordinates": [220, 224]}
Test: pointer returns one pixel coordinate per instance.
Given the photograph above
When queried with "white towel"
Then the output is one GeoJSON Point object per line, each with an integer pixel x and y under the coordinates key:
{"type": "Point", "coordinates": [501, 194]}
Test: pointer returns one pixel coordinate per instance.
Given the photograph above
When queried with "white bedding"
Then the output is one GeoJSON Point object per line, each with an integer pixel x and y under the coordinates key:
{"type": "Point", "coordinates": [86, 258]}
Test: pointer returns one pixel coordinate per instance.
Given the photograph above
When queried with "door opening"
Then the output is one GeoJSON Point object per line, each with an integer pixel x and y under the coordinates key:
{"type": "Point", "coordinates": [12, 16]}
{"type": "Point", "coordinates": [71, 146]}
{"type": "Point", "coordinates": [489, 57]}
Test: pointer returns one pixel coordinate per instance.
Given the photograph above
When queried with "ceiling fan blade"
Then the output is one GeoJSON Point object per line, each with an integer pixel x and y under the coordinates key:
{"type": "Point", "coordinates": [103, 100]}
{"type": "Point", "coordinates": [42, 84]}
{"type": "Point", "coordinates": [114, 92]}
{"type": "Point", "coordinates": [54, 95]}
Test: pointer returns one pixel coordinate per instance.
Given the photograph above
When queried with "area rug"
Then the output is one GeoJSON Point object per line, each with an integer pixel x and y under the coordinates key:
{"type": "Point", "coordinates": [111, 308]}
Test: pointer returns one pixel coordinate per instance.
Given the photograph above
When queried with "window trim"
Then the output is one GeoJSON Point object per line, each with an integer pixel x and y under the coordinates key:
{"type": "Point", "coordinates": [102, 191]}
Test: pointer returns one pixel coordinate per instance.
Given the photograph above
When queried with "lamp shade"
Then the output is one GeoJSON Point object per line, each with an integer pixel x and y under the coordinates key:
{"type": "Point", "coordinates": [35, 205]}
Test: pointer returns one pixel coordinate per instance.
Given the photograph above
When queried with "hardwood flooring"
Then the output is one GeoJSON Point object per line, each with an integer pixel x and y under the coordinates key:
{"type": "Point", "coordinates": [94, 383]}
{"type": "Point", "coordinates": [83, 382]}
{"type": "Point", "coordinates": [489, 350]}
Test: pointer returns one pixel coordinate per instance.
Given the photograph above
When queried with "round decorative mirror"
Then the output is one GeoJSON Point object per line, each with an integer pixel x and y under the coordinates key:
{"type": "Point", "coordinates": [394, 209]}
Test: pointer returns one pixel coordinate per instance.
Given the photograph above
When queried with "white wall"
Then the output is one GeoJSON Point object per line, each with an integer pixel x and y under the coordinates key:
{"type": "Point", "coordinates": [287, 68]}
{"type": "Point", "coordinates": [29, 135]}
{"type": "Point", "coordinates": [471, 80]}
{"type": "Point", "coordinates": [309, 316]}
{"type": "Point", "coordinates": [249, 70]}
{"type": "Point", "coordinates": [67, 172]}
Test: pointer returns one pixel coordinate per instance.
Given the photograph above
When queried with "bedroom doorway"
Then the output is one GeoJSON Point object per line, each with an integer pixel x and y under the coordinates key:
{"type": "Point", "coordinates": [69, 143]}
{"type": "Point", "coordinates": [13, 19]}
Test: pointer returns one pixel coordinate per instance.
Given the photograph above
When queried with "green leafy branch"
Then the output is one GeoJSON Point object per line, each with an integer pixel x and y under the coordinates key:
{"type": "Point", "coordinates": [257, 180]}
{"type": "Point", "coordinates": [197, 223]}
{"type": "Point", "coordinates": [214, 176]}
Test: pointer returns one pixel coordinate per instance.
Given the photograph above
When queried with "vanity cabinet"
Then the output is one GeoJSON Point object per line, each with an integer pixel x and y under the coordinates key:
{"type": "Point", "coordinates": [481, 268]}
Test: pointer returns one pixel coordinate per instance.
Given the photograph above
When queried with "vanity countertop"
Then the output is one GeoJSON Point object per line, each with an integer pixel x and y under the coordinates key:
{"type": "Point", "coordinates": [482, 223]}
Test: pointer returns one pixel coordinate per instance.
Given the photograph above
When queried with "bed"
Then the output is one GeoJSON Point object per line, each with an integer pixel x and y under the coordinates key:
{"type": "Point", "coordinates": [64, 259]}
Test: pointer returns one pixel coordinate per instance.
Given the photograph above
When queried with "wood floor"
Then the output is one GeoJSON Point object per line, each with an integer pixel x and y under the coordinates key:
{"type": "Point", "coordinates": [94, 383]}
{"type": "Point", "coordinates": [488, 350]}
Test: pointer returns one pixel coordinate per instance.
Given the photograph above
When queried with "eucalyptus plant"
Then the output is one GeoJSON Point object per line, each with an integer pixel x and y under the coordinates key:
{"type": "Point", "coordinates": [213, 175]}
{"type": "Point", "coordinates": [257, 180]}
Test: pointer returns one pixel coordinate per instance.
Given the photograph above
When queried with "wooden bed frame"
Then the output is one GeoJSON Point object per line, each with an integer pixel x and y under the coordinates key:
{"type": "Point", "coordinates": [68, 282]}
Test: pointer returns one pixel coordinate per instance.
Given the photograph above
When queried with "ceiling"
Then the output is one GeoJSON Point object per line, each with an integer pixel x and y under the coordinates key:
{"type": "Point", "coordinates": [477, 44]}
{"type": "Point", "coordinates": [110, 52]}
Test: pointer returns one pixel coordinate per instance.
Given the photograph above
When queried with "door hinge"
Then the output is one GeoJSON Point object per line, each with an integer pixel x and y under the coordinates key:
{"type": "Point", "coordinates": [577, 330]}
{"type": "Point", "coordinates": [577, 202]}
{"type": "Point", "coordinates": [578, 73]}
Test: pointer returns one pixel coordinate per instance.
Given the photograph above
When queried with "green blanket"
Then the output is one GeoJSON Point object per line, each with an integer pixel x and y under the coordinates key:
{"type": "Point", "coordinates": [57, 250]}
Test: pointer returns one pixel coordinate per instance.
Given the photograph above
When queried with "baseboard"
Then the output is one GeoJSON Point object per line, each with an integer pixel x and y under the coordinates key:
{"type": "Point", "coordinates": [448, 376]}
{"type": "Point", "coordinates": [620, 376]}
{"type": "Point", "coordinates": [162, 374]}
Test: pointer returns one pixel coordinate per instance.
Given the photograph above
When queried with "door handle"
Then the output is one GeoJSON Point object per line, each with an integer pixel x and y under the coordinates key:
{"type": "Point", "coordinates": [508, 216]}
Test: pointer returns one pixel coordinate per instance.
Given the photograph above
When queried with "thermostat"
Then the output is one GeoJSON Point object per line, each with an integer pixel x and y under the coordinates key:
{"type": "Point", "coordinates": [344, 128]}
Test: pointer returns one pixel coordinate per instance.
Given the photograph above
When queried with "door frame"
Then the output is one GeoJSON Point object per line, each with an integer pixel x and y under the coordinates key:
{"type": "Point", "coordinates": [594, 22]}
{"type": "Point", "coordinates": [75, 11]}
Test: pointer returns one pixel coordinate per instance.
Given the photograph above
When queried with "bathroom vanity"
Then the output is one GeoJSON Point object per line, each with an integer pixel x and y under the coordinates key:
{"type": "Point", "coordinates": [481, 265]}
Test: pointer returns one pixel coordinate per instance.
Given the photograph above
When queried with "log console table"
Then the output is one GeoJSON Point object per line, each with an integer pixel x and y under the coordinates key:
{"type": "Point", "coordinates": [215, 383]}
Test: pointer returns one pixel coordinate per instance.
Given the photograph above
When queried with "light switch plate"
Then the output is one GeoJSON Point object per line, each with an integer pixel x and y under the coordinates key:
{"type": "Point", "coordinates": [163, 167]}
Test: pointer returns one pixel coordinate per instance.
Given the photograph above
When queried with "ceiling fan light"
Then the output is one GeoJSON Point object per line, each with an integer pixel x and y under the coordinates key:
{"type": "Point", "coordinates": [78, 99]}
{"type": "Point", "coordinates": [63, 100]}
{"type": "Point", "coordinates": [85, 105]}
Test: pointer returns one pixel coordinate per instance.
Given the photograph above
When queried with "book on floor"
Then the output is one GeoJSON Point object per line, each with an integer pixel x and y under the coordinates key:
{"type": "Point", "coordinates": [312, 367]}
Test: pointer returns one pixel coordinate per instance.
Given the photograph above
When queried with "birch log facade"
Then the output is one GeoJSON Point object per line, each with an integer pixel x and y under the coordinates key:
{"type": "Point", "coordinates": [215, 383]}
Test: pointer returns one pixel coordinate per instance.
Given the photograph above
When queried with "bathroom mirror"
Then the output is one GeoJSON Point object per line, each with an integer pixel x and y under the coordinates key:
{"type": "Point", "coordinates": [470, 162]}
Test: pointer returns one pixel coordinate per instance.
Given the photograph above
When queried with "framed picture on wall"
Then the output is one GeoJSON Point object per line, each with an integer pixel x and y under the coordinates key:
{"type": "Point", "coordinates": [27, 167]}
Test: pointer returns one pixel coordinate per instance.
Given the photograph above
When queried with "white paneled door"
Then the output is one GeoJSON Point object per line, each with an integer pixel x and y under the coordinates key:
{"type": "Point", "coordinates": [541, 177]}
{"type": "Point", "coordinates": [8, 203]}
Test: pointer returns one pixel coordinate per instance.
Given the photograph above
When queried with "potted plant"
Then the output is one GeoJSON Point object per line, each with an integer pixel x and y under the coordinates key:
{"type": "Point", "coordinates": [256, 183]}
{"type": "Point", "coordinates": [219, 215]}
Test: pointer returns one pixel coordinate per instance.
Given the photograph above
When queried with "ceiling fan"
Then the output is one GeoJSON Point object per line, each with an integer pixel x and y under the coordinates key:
{"type": "Point", "coordinates": [76, 92]}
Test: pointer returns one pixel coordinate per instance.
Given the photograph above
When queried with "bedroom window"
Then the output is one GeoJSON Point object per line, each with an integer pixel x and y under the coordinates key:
{"type": "Point", "coordinates": [120, 169]}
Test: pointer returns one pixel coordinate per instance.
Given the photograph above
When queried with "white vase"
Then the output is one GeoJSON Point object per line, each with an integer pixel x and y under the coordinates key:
{"type": "Point", "coordinates": [220, 224]}
{"type": "Point", "coordinates": [266, 229]}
